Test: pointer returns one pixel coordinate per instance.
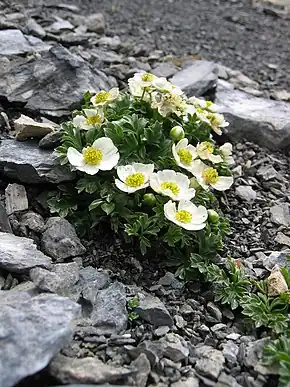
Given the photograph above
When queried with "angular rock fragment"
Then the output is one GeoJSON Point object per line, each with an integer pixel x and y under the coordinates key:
{"type": "Point", "coordinates": [15, 198]}
{"type": "Point", "coordinates": [60, 240]}
{"type": "Point", "coordinates": [151, 309]}
{"type": "Point", "coordinates": [280, 214]}
{"type": "Point", "coordinates": [262, 121]}
{"type": "Point", "coordinates": [210, 361]}
{"type": "Point", "coordinates": [174, 347]}
{"type": "Point", "coordinates": [33, 330]}
{"type": "Point", "coordinates": [28, 164]}
{"type": "Point", "coordinates": [33, 221]}
{"type": "Point", "coordinates": [13, 42]}
{"type": "Point", "coordinates": [276, 283]}
{"type": "Point", "coordinates": [26, 128]}
{"type": "Point", "coordinates": [143, 367]}
{"type": "Point", "coordinates": [19, 255]}
{"type": "Point", "coordinates": [246, 192]}
{"type": "Point", "coordinates": [4, 221]}
{"type": "Point", "coordinates": [91, 281]}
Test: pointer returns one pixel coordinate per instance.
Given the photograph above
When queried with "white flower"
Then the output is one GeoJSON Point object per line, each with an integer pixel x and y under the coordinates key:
{"type": "Point", "coordinates": [208, 177]}
{"type": "Point", "coordinates": [172, 184]}
{"type": "Point", "coordinates": [162, 85]}
{"type": "Point", "coordinates": [187, 215]}
{"type": "Point", "coordinates": [226, 152]}
{"type": "Point", "coordinates": [205, 150]}
{"type": "Point", "coordinates": [140, 84]}
{"type": "Point", "coordinates": [203, 104]}
{"type": "Point", "coordinates": [184, 154]}
{"type": "Point", "coordinates": [102, 155]}
{"type": "Point", "coordinates": [134, 177]}
{"type": "Point", "coordinates": [217, 122]}
{"type": "Point", "coordinates": [104, 97]}
{"type": "Point", "coordinates": [92, 118]}
{"type": "Point", "coordinates": [168, 103]}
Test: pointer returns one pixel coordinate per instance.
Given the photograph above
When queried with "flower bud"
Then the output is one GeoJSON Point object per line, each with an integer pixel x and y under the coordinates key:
{"type": "Point", "coordinates": [213, 216]}
{"type": "Point", "coordinates": [194, 183]}
{"type": "Point", "coordinates": [149, 199]}
{"type": "Point", "coordinates": [177, 133]}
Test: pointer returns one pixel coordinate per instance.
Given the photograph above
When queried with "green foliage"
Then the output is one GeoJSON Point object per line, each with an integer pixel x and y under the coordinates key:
{"type": "Point", "coordinates": [277, 353]}
{"type": "Point", "coordinates": [132, 305]}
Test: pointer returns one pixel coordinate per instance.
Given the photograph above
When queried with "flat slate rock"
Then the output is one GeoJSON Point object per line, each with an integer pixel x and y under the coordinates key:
{"type": "Point", "coordinates": [19, 254]}
{"type": "Point", "coordinates": [263, 121]}
{"type": "Point", "coordinates": [13, 42]}
{"type": "Point", "coordinates": [32, 331]}
{"type": "Point", "coordinates": [53, 83]}
{"type": "Point", "coordinates": [196, 79]}
{"type": "Point", "coordinates": [25, 162]}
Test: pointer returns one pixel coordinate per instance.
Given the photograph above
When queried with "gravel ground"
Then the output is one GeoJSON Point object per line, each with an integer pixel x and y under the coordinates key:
{"type": "Point", "coordinates": [232, 32]}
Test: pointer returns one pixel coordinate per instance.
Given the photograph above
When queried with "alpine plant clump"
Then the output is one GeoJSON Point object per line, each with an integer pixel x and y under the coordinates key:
{"type": "Point", "coordinates": [147, 164]}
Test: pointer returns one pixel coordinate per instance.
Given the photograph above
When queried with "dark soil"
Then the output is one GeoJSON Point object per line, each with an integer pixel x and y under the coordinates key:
{"type": "Point", "coordinates": [233, 32]}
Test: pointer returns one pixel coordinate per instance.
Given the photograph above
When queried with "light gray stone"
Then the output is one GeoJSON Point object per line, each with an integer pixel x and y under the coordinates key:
{"type": "Point", "coordinates": [165, 69]}
{"type": "Point", "coordinates": [32, 331]}
{"type": "Point", "coordinates": [60, 240]}
{"type": "Point", "coordinates": [210, 361]}
{"type": "Point", "coordinates": [174, 347]}
{"type": "Point", "coordinates": [192, 381]}
{"type": "Point", "coordinates": [95, 23]}
{"type": "Point", "coordinates": [143, 367]}
{"type": "Point", "coordinates": [282, 239]}
{"type": "Point", "coordinates": [91, 281]}
{"type": "Point", "coordinates": [230, 351]}
{"type": "Point", "coordinates": [246, 192]}
{"type": "Point", "coordinates": [227, 381]}
{"type": "Point", "coordinates": [109, 313]}
{"type": "Point", "coordinates": [280, 214]}
{"type": "Point", "coordinates": [254, 352]}
{"type": "Point", "coordinates": [15, 198]}
{"type": "Point", "coordinates": [34, 28]}
{"type": "Point", "coordinates": [267, 172]}
{"type": "Point", "coordinates": [50, 141]}
{"type": "Point", "coordinates": [277, 258]}
{"type": "Point", "coordinates": [214, 311]}
{"type": "Point", "coordinates": [152, 310]}
{"type": "Point", "coordinates": [60, 25]}
{"type": "Point", "coordinates": [262, 121]}
{"type": "Point", "coordinates": [26, 128]}
{"type": "Point", "coordinates": [61, 279]}
{"type": "Point", "coordinates": [33, 221]}
{"type": "Point", "coordinates": [112, 42]}
{"type": "Point", "coordinates": [36, 81]}
{"type": "Point", "coordinates": [19, 255]}
{"type": "Point", "coordinates": [196, 79]}
{"type": "Point", "coordinates": [25, 162]}
{"type": "Point", "coordinates": [85, 370]}
{"type": "Point", "coordinates": [13, 42]}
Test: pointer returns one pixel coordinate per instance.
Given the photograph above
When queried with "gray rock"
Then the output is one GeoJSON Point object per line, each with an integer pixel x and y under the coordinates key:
{"type": "Point", "coordinates": [60, 25]}
{"type": "Point", "coordinates": [262, 121]}
{"type": "Point", "coordinates": [85, 370]}
{"type": "Point", "coordinates": [161, 331]}
{"type": "Point", "coordinates": [246, 192]}
{"type": "Point", "coordinates": [60, 240]}
{"type": "Point", "coordinates": [214, 311]}
{"type": "Point", "coordinates": [36, 81]}
{"type": "Point", "coordinates": [230, 351]}
{"type": "Point", "coordinates": [91, 281]}
{"type": "Point", "coordinates": [15, 198]}
{"type": "Point", "coordinates": [165, 69]}
{"type": "Point", "coordinates": [19, 255]}
{"type": "Point", "coordinates": [4, 221]}
{"type": "Point", "coordinates": [196, 79]}
{"type": "Point", "coordinates": [282, 239]}
{"type": "Point", "coordinates": [174, 347]}
{"type": "Point", "coordinates": [13, 42]}
{"type": "Point", "coordinates": [143, 367]}
{"type": "Point", "coordinates": [277, 258]}
{"type": "Point", "coordinates": [254, 352]}
{"type": "Point", "coordinates": [210, 361]}
{"type": "Point", "coordinates": [26, 128]}
{"type": "Point", "coordinates": [33, 221]}
{"type": "Point", "coordinates": [112, 42]}
{"type": "Point", "coordinates": [267, 172]}
{"type": "Point", "coordinates": [61, 279]}
{"type": "Point", "coordinates": [35, 28]}
{"type": "Point", "coordinates": [50, 141]}
{"type": "Point", "coordinates": [192, 381]}
{"type": "Point", "coordinates": [95, 23]}
{"type": "Point", "coordinates": [33, 330]}
{"type": "Point", "coordinates": [280, 214]}
{"type": "Point", "coordinates": [152, 349]}
{"type": "Point", "coordinates": [109, 313]}
{"type": "Point", "coordinates": [28, 164]}
{"type": "Point", "coordinates": [151, 309]}
{"type": "Point", "coordinates": [227, 381]}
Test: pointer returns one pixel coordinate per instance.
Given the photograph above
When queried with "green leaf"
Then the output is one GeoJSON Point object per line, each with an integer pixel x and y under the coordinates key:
{"type": "Point", "coordinates": [108, 208]}
{"type": "Point", "coordinates": [96, 203]}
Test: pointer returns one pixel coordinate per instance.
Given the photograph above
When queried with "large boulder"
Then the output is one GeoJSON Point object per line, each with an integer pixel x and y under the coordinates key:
{"type": "Point", "coordinates": [32, 331]}
{"type": "Point", "coordinates": [52, 83]}
{"type": "Point", "coordinates": [259, 120]}
{"type": "Point", "coordinates": [25, 162]}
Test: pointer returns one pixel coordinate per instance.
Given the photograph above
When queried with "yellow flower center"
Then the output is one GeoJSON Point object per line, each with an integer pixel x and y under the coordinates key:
{"type": "Point", "coordinates": [210, 175]}
{"type": "Point", "coordinates": [200, 110]}
{"type": "Point", "coordinates": [208, 104]}
{"type": "Point", "coordinates": [185, 156]}
{"type": "Point", "coordinates": [94, 120]}
{"type": "Point", "coordinates": [135, 180]}
{"type": "Point", "coordinates": [172, 186]}
{"type": "Point", "coordinates": [102, 96]}
{"type": "Point", "coordinates": [92, 156]}
{"type": "Point", "coordinates": [206, 145]}
{"type": "Point", "coordinates": [147, 77]}
{"type": "Point", "coordinates": [183, 216]}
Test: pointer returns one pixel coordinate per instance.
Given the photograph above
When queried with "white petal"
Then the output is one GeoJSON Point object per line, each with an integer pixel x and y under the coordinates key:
{"type": "Point", "coordinates": [187, 194]}
{"type": "Point", "coordinates": [89, 169]}
{"type": "Point", "coordinates": [182, 180]}
{"type": "Point", "coordinates": [114, 93]}
{"type": "Point", "coordinates": [182, 144]}
{"type": "Point", "coordinates": [146, 169]}
{"type": "Point", "coordinates": [192, 150]}
{"type": "Point", "coordinates": [197, 167]}
{"type": "Point", "coordinates": [124, 171]}
{"type": "Point", "coordinates": [170, 210]}
{"type": "Point", "coordinates": [215, 159]}
{"type": "Point", "coordinates": [125, 188]}
{"type": "Point", "coordinates": [223, 183]}
{"type": "Point", "coordinates": [175, 154]}
{"type": "Point", "coordinates": [79, 120]}
{"type": "Point", "coordinates": [109, 162]}
{"type": "Point", "coordinates": [217, 130]}
{"type": "Point", "coordinates": [166, 175]}
{"type": "Point", "coordinates": [193, 227]}
{"type": "Point", "coordinates": [226, 149]}
{"type": "Point", "coordinates": [75, 158]}
{"type": "Point", "coordinates": [202, 183]}
{"type": "Point", "coordinates": [154, 182]}
{"type": "Point", "coordinates": [199, 214]}
{"type": "Point", "coordinates": [90, 112]}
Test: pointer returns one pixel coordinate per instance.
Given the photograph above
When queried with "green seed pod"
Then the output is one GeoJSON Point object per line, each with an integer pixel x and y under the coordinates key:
{"type": "Point", "coordinates": [213, 216]}
{"type": "Point", "coordinates": [149, 199]}
{"type": "Point", "coordinates": [177, 133]}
